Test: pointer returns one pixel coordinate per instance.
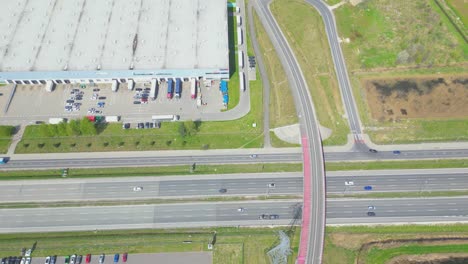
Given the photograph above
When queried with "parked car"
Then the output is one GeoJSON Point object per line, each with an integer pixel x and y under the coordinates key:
{"type": "Point", "coordinates": [126, 126]}
{"type": "Point", "coordinates": [53, 259]}
{"type": "Point", "coordinates": [28, 260]}
{"type": "Point", "coordinates": [88, 258]}
{"type": "Point", "coordinates": [79, 258]}
{"type": "Point", "coordinates": [102, 98]}
{"type": "Point", "coordinates": [116, 258]}
{"type": "Point", "coordinates": [67, 259]}
{"type": "Point", "coordinates": [124, 257]}
{"type": "Point", "coordinates": [96, 90]}
{"type": "Point", "coordinates": [47, 260]}
{"type": "Point", "coordinates": [136, 102]}
{"type": "Point", "coordinates": [101, 258]}
{"type": "Point", "coordinates": [147, 125]}
{"type": "Point", "coordinates": [141, 125]}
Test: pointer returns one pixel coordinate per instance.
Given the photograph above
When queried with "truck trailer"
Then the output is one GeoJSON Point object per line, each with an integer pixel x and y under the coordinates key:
{"type": "Point", "coordinates": [193, 88]}
{"type": "Point", "coordinates": [111, 119]}
{"type": "Point", "coordinates": [165, 117]}
{"type": "Point", "coordinates": [242, 81]}
{"type": "Point", "coordinates": [239, 36]}
{"type": "Point", "coordinates": [241, 59]}
{"type": "Point", "coordinates": [169, 89]}
{"type": "Point", "coordinates": [130, 85]}
{"type": "Point", "coordinates": [56, 120]}
{"type": "Point", "coordinates": [154, 87]}
{"type": "Point", "coordinates": [178, 88]}
{"type": "Point", "coordinates": [115, 85]}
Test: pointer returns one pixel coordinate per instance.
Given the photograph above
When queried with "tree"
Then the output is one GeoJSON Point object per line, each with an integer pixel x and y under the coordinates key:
{"type": "Point", "coordinates": [191, 127]}
{"type": "Point", "coordinates": [87, 127]}
{"type": "Point", "coordinates": [73, 128]}
{"type": "Point", "coordinates": [62, 129]}
{"type": "Point", "coordinates": [182, 129]}
{"type": "Point", "coordinates": [53, 132]}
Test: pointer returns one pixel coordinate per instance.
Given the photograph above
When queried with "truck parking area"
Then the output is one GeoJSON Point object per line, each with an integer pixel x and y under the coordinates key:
{"type": "Point", "coordinates": [32, 103]}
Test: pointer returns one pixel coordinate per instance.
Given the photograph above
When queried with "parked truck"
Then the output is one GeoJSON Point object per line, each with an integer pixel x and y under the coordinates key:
{"type": "Point", "coordinates": [239, 20]}
{"type": "Point", "coordinates": [56, 120]}
{"type": "Point", "coordinates": [154, 87]}
{"type": "Point", "coordinates": [178, 88]}
{"type": "Point", "coordinates": [165, 117]}
{"type": "Point", "coordinates": [115, 85]}
{"type": "Point", "coordinates": [242, 81]}
{"type": "Point", "coordinates": [239, 36]}
{"type": "Point", "coordinates": [130, 85]}
{"type": "Point", "coordinates": [49, 86]}
{"type": "Point", "coordinates": [241, 59]}
{"type": "Point", "coordinates": [111, 119]}
{"type": "Point", "coordinates": [193, 88]}
{"type": "Point", "coordinates": [169, 89]}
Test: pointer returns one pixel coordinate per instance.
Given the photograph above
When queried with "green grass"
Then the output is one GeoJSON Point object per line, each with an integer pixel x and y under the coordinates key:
{"type": "Point", "coordinates": [460, 8]}
{"type": "Point", "coordinates": [227, 168]}
{"type": "Point", "coordinates": [5, 137]}
{"type": "Point", "coordinates": [389, 32]}
{"type": "Point", "coordinates": [151, 171]}
{"type": "Point", "coordinates": [233, 245]}
{"type": "Point", "coordinates": [343, 243]}
{"type": "Point", "coordinates": [381, 256]}
{"type": "Point", "coordinates": [282, 107]}
{"type": "Point", "coordinates": [305, 32]}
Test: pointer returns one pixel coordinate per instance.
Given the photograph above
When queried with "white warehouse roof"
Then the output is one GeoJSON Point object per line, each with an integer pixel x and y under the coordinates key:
{"type": "Point", "coordinates": [81, 35]}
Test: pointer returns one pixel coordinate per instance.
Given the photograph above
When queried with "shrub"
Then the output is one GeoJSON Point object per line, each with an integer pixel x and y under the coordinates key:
{"type": "Point", "coordinates": [57, 144]}
{"type": "Point", "coordinates": [40, 145]}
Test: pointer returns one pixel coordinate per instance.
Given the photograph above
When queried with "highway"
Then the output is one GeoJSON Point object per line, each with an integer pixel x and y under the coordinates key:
{"type": "Point", "coordinates": [226, 214]}
{"type": "Point", "coordinates": [248, 184]}
{"type": "Point", "coordinates": [47, 161]}
{"type": "Point", "coordinates": [313, 220]}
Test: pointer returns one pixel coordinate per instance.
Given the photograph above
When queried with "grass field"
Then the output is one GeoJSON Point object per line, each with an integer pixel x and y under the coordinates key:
{"type": "Point", "coordinates": [345, 244]}
{"type": "Point", "coordinates": [305, 32]}
{"type": "Point", "coordinates": [461, 9]}
{"type": "Point", "coordinates": [232, 245]}
{"type": "Point", "coordinates": [5, 137]}
{"type": "Point", "coordinates": [276, 142]}
{"type": "Point", "coordinates": [398, 29]}
{"type": "Point", "coordinates": [282, 110]}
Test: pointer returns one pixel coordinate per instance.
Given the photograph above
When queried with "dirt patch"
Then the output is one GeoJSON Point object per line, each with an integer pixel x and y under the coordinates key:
{"type": "Point", "coordinates": [350, 241]}
{"type": "Point", "coordinates": [455, 258]}
{"type": "Point", "coordinates": [393, 99]}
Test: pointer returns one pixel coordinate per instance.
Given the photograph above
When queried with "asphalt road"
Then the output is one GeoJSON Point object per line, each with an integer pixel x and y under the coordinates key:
{"type": "Point", "coordinates": [226, 214]}
{"type": "Point", "coordinates": [249, 184]}
{"type": "Point", "coordinates": [54, 161]}
{"type": "Point", "coordinates": [313, 222]}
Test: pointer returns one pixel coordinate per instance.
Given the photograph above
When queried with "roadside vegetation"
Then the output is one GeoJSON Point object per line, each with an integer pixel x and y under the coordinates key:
{"type": "Point", "coordinates": [225, 169]}
{"type": "Point", "coordinates": [405, 40]}
{"type": "Point", "coordinates": [276, 142]}
{"type": "Point", "coordinates": [305, 32]}
{"type": "Point", "coordinates": [381, 244]}
{"type": "Point", "coordinates": [233, 89]}
{"type": "Point", "coordinates": [6, 132]}
{"type": "Point", "coordinates": [232, 245]}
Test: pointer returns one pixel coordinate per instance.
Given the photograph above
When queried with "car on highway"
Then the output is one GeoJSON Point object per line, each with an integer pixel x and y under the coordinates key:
{"type": "Point", "coordinates": [271, 185]}
{"type": "Point", "coordinates": [222, 190]}
{"type": "Point", "coordinates": [116, 258]}
{"type": "Point", "coordinates": [370, 214]}
{"type": "Point", "coordinates": [102, 257]}
{"type": "Point", "coordinates": [47, 260]}
{"type": "Point", "coordinates": [73, 259]}
{"type": "Point", "coordinates": [274, 216]}
{"type": "Point", "coordinates": [371, 207]}
{"type": "Point", "coordinates": [124, 257]}
{"type": "Point", "coordinates": [264, 216]}
{"type": "Point", "coordinates": [373, 150]}
{"type": "Point", "coordinates": [88, 258]}
{"type": "Point", "coordinates": [368, 188]}
{"type": "Point", "coordinates": [137, 188]}
{"type": "Point", "coordinates": [253, 156]}
{"type": "Point", "coordinates": [240, 209]}
{"type": "Point", "coordinates": [348, 183]}
{"type": "Point", "coordinates": [396, 152]}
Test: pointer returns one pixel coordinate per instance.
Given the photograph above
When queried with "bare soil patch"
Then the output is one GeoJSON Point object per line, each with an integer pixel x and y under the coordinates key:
{"type": "Point", "coordinates": [392, 99]}
{"type": "Point", "coordinates": [453, 258]}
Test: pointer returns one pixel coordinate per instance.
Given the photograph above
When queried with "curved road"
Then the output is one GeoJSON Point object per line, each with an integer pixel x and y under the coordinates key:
{"type": "Point", "coordinates": [313, 221]}
{"type": "Point", "coordinates": [339, 212]}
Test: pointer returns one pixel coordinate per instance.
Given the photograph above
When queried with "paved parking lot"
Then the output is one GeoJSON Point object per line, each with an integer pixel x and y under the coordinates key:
{"type": "Point", "coordinates": [33, 103]}
{"type": "Point", "coordinates": [172, 258]}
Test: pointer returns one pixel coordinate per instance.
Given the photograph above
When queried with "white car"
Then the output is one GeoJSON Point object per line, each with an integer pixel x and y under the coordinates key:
{"type": "Point", "coordinates": [137, 189]}
{"type": "Point", "coordinates": [349, 183]}
{"type": "Point", "coordinates": [240, 209]}
{"type": "Point", "coordinates": [28, 260]}
{"type": "Point", "coordinates": [73, 259]}
{"type": "Point", "coordinates": [47, 260]}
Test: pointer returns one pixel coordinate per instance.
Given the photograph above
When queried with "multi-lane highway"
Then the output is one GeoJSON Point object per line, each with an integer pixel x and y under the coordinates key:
{"type": "Point", "coordinates": [250, 184]}
{"type": "Point", "coordinates": [228, 213]}
{"type": "Point", "coordinates": [45, 161]}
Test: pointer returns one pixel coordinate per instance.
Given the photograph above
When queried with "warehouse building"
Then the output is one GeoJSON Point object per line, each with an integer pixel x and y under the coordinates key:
{"type": "Point", "coordinates": [82, 41]}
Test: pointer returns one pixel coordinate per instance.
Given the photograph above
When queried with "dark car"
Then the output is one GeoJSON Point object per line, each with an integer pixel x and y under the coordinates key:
{"type": "Point", "coordinates": [223, 190]}
{"type": "Point", "coordinates": [96, 90]}
{"type": "Point", "coordinates": [264, 216]}
{"type": "Point", "coordinates": [368, 188]}
{"type": "Point", "coordinates": [396, 152]}
{"type": "Point", "coordinates": [4, 260]}
{"type": "Point", "coordinates": [370, 214]}
{"type": "Point", "coordinates": [373, 150]}
{"type": "Point", "coordinates": [141, 125]}
{"type": "Point", "coordinates": [78, 98]}
{"type": "Point", "coordinates": [116, 258]}
{"type": "Point", "coordinates": [18, 260]}
{"type": "Point", "coordinates": [139, 89]}
{"type": "Point", "coordinates": [124, 257]}
{"type": "Point", "coordinates": [136, 102]}
{"type": "Point", "coordinates": [102, 98]}
{"type": "Point", "coordinates": [53, 259]}
{"type": "Point", "coordinates": [79, 259]}
{"type": "Point", "coordinates": [126, 126]}
{"type": "Point", "coordinates": [147, 125]}
{"type": "Point", "coordinates": [70, 101]}
{"type": "Point", "coordinates": [274, 216]}
{"type": "Point", "coordinates": [157, 124]}
{"type": "Point", "coordinates": [151, 125]}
